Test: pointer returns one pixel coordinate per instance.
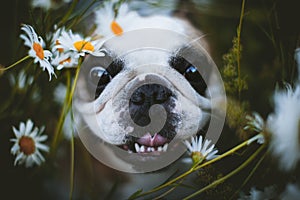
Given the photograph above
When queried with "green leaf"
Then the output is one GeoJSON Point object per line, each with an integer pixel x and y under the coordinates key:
{"type": "Point", "coordinates": [136, 194]}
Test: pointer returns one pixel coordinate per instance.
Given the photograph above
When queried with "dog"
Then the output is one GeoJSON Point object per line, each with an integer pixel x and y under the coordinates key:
{"type": "Point", "coordinates": [152, 89]}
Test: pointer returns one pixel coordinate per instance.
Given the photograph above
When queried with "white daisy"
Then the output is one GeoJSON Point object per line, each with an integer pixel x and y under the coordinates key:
{"type": "Point", "coordinates": [200, 150]}
{"type": "Point", "coordinates": [36, 45]}
{"type": "Point", "coordinates": [48, 4]}
{"type": "Point", "coordinates": [109, 25]}
{"type": "Point", "coordinates": [69, 129]}
{"type": "Point", "coordinates": [45, 4]}
{"type": "Point", "coordinates": [65, 60]}
{"type": "Point", "coordinates": [21, 80]}
{"type": "Point", "coordinates": [61, 58]}
{"type": "Point", "coordinates": [267, 193]}
{"type": "Point", "coordinates": [28, 143]}
{"type": "Point", "coordinates": [60, 93]}
{"type": "Point", "coordinates": [292, 192]}
{"type": "Point", "coordinates": [53, 37]}
{"type": "Point", "coordinates": [146, 8]}
{"type": "Point", "coordinates": [255, 123]}
{"type": "Point", "coordinates": [284, 126]}
{"type": "Point", "coordinates": [75, 45]}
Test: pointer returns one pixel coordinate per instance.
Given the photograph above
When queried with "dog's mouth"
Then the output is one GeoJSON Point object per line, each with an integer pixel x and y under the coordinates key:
{"type": "Point", "coordinates": [147, 144]}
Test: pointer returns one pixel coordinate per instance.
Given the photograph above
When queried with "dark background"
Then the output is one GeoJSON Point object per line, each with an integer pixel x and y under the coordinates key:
{"type": "Point", "coordinates": [265, 62]}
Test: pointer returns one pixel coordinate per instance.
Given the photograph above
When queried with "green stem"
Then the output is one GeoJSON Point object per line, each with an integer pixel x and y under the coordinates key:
{"type": "Point", "coordinates": [66, 108]}
{"type": "Point", "coordinates": [239, 47]}
{"type": "Point", "coordinates": [224, 178]}
{"type": "Point", "coordinates": [167, 192]}
{"type": "Point", "coordinates": [62, 114]}
{"type": "Point", "coordinates": [251, 174]}
{"type": "Point", "coordinates": [227, 153]}
{"type": "Point", "coordinates": [67, 15]}
{"type": "Point", "coordinates": [75, 21]}
{"type": "Point", "coordinates": [74, 84]}
{"type": "Point", "coordinates": [168, 183]}
{"type": "Point", "coordinates": [193, 169]}
{"type": "Point", "coordinates": [72, 168]}
{"type": "Point", "coordinates": [16, 63]}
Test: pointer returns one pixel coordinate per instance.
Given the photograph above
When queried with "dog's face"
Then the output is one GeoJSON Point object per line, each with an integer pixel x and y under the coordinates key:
{"type": "Point", "coordinates": [117, 92]}
{"type": "Point", "coordinates": [155, 86]}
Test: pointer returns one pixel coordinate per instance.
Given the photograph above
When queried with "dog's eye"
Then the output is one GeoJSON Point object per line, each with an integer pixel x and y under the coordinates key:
{"type": "Point", "coordinates": [191, 73]}
{"type": "Point", "coordinates": [99, 76]}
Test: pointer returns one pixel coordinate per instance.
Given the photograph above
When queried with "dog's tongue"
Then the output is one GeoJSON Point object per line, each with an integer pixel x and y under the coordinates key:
{"type": "Point", "coordinates": [148, 140]}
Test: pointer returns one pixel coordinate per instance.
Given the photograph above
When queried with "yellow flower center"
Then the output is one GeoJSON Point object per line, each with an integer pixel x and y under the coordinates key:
{"type": "Point", "coordinates": [60, 50]}
{"type": "Point", "coordinates": [83, 45]}
{"type": "Point", "coordinates": [39, 51]}
{"type": "Point", "coordinates": [116, 28]}
{"type": "Point", "coordinates": [197, 157]}
{"type": "Point", "coordinates": [68, 60]}
{"type": "Point", "coordinates": [27, 145]}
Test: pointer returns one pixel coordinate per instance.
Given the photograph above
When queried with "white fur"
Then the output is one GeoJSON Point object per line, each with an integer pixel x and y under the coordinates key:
{"type": "Point", "coordinates": [145, 46]}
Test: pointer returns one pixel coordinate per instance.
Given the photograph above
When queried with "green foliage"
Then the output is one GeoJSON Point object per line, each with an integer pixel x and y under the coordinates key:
{"type": "Point", "coordinates": [234, 84]}
{"type": "Point", "coordinates": [236, 116]}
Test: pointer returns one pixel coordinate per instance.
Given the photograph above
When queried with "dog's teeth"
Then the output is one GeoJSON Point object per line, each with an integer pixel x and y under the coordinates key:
{"type": "Point", "coordinates": [159, 148]}
{"type": "Point", "coordinates": [143, 149]}
{"type": "Point", "coordinates": [137, 148]}
{"type": "Point", "coordinates": [165, 147]}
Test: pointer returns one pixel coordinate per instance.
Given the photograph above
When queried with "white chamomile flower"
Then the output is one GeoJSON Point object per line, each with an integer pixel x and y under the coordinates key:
{"type": "Point", "coordinates": [284, 126]}
{"type": "Point", "coordinates": [48, 4]}
{"type": "Point", "coordinates": [255, 122]}
{"type": "Point", "coordinates": [69, 130]}
{"type": "Point", "coordinates": [267, 193]}
{"type": "Point", "coordinates": [60, 93]}
{"type": "Point", "coordinates": [36, 45]}
{"type": "Point", "coordinates": [65, 60]}
{"type": "Point", "coordinates": [162, 7]}
{"type": "Point", "coordinates": [291, 192]}
{"type": "Point", "coordinates": [109, 25]}
{"type": "Point", "coordinates": [53, 37]}
{"type": "Point", "coordinates": [61, 58]}
{"type": "Point", "coordinates": [77, 46]}
{"type": "Point", "coordinates": [200, 150]}
{"type": "Point", "coordinates": [21, 80]}
{"type": "Point", "coordinates": [28, 143]}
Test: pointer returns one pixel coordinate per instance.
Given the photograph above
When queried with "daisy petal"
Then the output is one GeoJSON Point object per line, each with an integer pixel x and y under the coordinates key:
{"type": "Point", "coordinates": [27, 144]}
{"type": "Point", "coordinates": [199, 149]}
{"type": "Point", "coordinates": [29, 126]}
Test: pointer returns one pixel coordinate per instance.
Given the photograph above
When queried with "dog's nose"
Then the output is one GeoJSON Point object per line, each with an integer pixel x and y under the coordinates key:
{"type": "Point", "coordinates": [150, 94]}
{"type": "Point", "coordinates": [143, 98]}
